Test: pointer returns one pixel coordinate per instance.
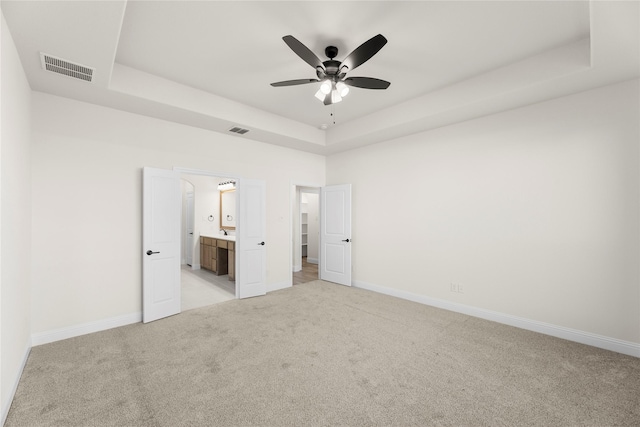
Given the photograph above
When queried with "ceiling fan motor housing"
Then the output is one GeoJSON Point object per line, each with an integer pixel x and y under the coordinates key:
{"type": "Point", "coordinates": [331, 68]}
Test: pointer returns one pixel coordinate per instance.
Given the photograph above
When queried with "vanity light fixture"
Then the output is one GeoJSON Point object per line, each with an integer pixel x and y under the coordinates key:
{"type": "Point", "coordinates": [227, 185]}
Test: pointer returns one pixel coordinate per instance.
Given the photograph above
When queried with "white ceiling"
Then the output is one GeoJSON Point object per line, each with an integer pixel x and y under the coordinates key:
{"type": "Point", "coordinates": [209, 63]}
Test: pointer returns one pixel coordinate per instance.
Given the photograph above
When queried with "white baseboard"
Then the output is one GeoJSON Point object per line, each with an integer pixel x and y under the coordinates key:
{"type": "Point", "coordinates": [297, 267]}
{"type": "Point", "coordinates": [277, 286]}
{"type": "Point", "coordinates": [312, 260]}
{"type": "Point", "coordinates": [6, 400]}
{"type": "Point", "coordinates": [86, 328]}
{"type": "Point", "coordinates": [600, 341]}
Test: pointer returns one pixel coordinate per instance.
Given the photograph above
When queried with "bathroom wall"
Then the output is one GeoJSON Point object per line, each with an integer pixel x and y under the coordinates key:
{"type": "Point", "coordinates": [206, 210]}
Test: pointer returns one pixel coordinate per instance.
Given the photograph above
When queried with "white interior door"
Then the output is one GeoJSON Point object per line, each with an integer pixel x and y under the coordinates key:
{"type": "Point", "coordinates": [335, 234]}
{"type": "Point", "coordinates": [160, 244]}
{"type": "Point", "coordinates": [251, 249]}
{"type": "Point", "coordinates": [189, 229]}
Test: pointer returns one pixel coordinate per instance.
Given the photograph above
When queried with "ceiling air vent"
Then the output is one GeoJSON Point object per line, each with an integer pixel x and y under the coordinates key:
{"type": "Point", "coordinates": [67, 68]}
{"type": "Point", "coordinates": [238, 130]}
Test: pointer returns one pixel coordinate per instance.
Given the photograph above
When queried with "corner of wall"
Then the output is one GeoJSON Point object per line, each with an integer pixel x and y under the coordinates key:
{"type": "Point", "coordinates": [8, 399]}
{"type": "Point", "coordinates": [15, 219]}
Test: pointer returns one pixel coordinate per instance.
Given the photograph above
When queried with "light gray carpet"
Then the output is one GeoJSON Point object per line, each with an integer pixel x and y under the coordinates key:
{"type": "Point", "coordinates": [320, 354]}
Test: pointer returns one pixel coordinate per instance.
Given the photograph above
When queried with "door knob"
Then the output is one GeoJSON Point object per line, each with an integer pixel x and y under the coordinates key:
{"type": "Point", "coordinates": [149, 252]}
{"type": "Point", "coordinates": [346, 240]}
{"type": "Point", "coordinates": [261, 243]}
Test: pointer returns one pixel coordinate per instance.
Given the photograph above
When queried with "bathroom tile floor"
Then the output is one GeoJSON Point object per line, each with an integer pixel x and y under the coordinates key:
{"type": "Point", "coordinates": [201, 288]}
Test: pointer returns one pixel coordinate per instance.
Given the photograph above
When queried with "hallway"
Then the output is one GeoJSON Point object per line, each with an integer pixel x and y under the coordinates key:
{"type": "Point", "coordinates": [308, 273]}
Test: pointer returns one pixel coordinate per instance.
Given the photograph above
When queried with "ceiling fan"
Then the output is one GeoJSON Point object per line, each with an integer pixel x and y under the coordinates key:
{"type": "Point", "coordinates": [332, 73]}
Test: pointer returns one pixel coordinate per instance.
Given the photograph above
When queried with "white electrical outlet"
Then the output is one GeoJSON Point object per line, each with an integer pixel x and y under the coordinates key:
{"type": "Point", "coordinates": [456, 287]}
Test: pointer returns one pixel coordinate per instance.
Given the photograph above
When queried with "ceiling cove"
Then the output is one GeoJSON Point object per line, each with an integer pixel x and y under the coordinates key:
{"type": "Point", "coordinates": [195, 63]}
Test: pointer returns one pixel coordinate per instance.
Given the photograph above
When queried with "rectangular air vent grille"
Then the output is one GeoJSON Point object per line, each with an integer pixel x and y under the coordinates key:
{"type": "Point", "coordinates": [67, 68]}
{"type": "Point", "coordinates": [238, 130]}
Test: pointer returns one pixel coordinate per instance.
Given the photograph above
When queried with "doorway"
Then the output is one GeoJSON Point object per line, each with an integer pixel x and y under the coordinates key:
{"type": "Point", "coordinates": [201, 287]}
{"type": "Point", "coordinates": [161, 216]}
{"type": "Point", "coordinates": [306, 234]}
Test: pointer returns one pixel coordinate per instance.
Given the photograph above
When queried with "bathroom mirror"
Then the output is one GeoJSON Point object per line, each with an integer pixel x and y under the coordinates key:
{"type": "Point", "coordinates": [228, 209]}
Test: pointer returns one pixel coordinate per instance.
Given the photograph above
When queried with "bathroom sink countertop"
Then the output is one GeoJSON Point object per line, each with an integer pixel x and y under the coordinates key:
{"type": "Point", "coordinates": [219, 236]}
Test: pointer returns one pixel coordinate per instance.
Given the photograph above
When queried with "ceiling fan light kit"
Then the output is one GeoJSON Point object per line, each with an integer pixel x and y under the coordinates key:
{"type": "Point", "coordinates": [335, 97]}
{"type": "Point", "coordinates": [332, 73]}
{"type": "Point", "coordinates": [325, 87]}
{"type": "Point", "coordinates": [342, 89]}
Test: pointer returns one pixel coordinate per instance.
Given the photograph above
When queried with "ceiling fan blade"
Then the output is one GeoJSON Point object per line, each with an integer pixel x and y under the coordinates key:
{"type": "Point", "coordinates": [364, 52]}
{"type": "Point", "coordinates": [303, 52]}
{"type": "Point", "coordinates": [366, 82]}
{"type": "Point", "coordinates": [294, 82]}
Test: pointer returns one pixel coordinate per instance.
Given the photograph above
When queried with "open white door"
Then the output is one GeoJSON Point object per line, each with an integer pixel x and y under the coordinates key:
{"type": "Point", "coordinates": [160, 244]}
{"type": "Point", "coordinates": [251, 249]}
{"type": "Point", "coordinates": [335, 234]}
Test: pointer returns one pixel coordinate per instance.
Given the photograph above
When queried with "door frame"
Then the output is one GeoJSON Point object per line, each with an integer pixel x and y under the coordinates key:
{"type": "Point", "coordinates": [188, 254]}
{"type": "Point", "coordinates": [189, 171]}
{"type": "Point", "coordinates": [293, 185]}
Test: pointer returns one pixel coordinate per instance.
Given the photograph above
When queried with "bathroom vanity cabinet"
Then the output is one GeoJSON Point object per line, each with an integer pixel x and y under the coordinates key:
{"type": "Point", "coordinates": [218, 255]}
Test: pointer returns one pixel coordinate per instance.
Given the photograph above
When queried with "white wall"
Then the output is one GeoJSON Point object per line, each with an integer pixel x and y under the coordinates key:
{"type": "Point", "coordinates": [87, 182]}
{"type": "Point", "coordinates": [534, 211]}
{"type": "Point", "coordinates": [15, 219]}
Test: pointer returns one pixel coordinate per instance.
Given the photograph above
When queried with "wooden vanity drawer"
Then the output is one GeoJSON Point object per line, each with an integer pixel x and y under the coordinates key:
{"type": "Point", "coordinates": [222, 244]}
{"type": "Point", "coordinates": [209, 241]}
